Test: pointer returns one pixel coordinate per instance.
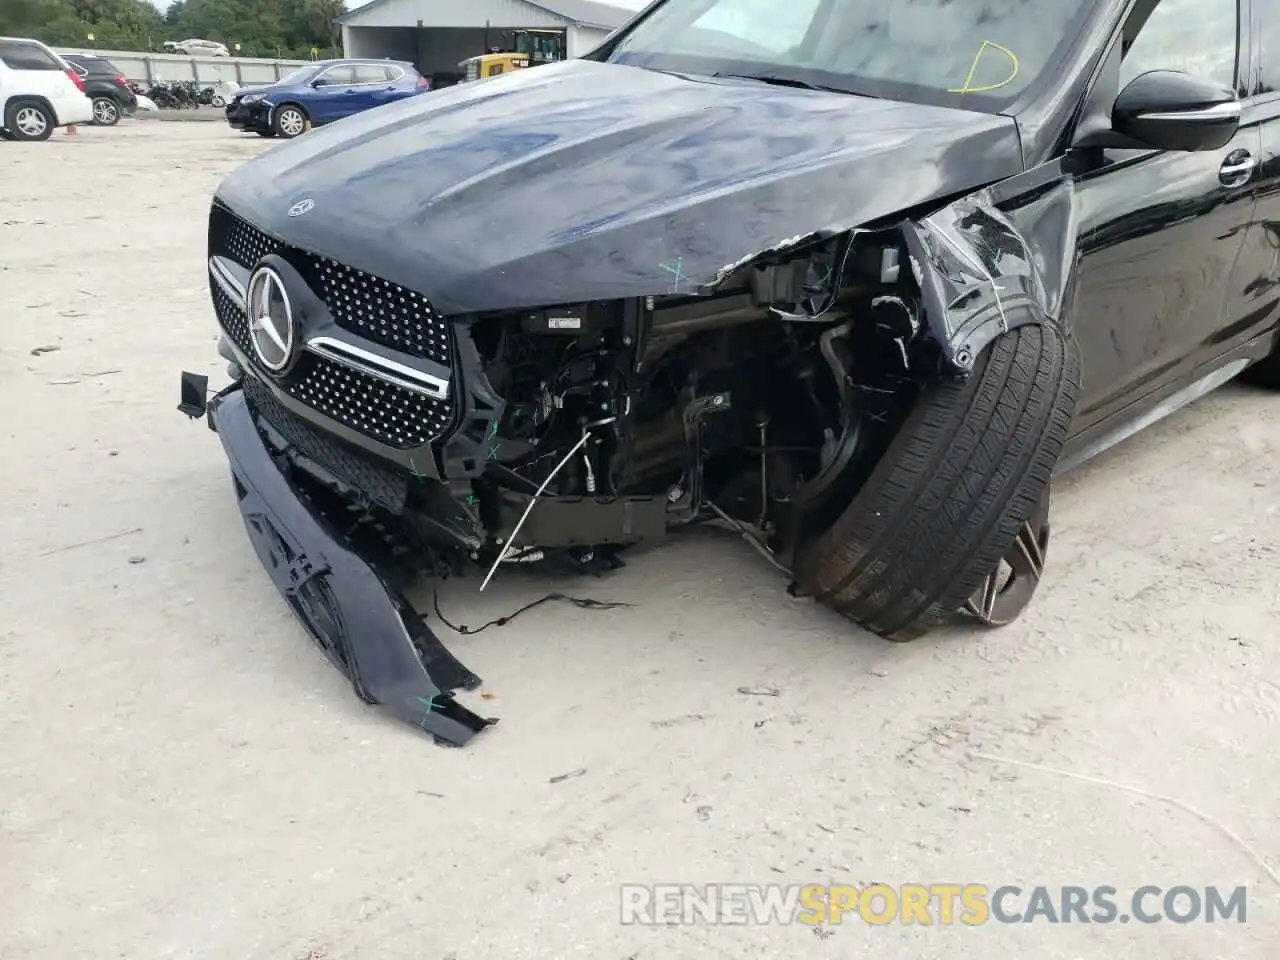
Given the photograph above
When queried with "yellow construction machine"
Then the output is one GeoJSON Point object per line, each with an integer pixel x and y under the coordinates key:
{"type": "Point", "coordinates": [529, 49]}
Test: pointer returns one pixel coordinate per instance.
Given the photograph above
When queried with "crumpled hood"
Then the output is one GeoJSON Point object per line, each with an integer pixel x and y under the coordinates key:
{"type": "Point", "coordinates": [585, 180]}
{"type": "Point", "coordinates": [264, 88]}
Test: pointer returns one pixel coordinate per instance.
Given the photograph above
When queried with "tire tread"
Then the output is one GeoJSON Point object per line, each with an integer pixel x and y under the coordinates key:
{"type": "Point", "coordinates": [945, 502]}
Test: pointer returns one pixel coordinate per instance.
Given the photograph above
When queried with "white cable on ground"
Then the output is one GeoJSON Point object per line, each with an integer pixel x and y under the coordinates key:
{"type": "Point", "coordinates": [524, 516]}
{"type": "Point", "coordinates": [748, 536]}
{"type": "Point", "coordinates": [1172, 801]}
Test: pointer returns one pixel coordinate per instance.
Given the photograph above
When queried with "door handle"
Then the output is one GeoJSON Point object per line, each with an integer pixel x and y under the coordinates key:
{"type": "Point", "coordinates": [1237, 168]}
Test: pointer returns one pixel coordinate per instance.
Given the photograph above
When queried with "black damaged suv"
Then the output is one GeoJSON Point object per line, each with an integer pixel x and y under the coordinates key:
{"type": "Point", "coordinates": [854, 280]}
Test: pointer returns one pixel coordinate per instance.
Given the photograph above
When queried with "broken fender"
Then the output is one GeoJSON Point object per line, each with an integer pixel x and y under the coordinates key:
{"type": "Point", "coordinates": [365, 628]}
{"type": "Point", "coordinates": [996, 260]}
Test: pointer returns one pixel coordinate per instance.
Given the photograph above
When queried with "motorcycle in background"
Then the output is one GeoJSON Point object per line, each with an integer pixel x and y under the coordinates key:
{"type": "Point", "coordinates": [187, 94]}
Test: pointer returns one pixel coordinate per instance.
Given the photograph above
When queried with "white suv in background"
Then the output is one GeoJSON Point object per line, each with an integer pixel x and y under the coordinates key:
{"type": "Point", "coordinates": [38, 91]}
{"type": "Point", "coordinates": [198, 48]}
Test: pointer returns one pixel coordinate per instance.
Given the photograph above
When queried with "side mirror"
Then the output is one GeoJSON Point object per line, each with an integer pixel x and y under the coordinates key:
{"type": "Point", "coordinates": [1171, 110]}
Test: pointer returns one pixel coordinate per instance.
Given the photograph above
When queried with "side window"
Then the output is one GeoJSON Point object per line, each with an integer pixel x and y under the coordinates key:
{"type": "Point", "coordinates": [370, 73]}
{"type": "Point", "coordinates": [1268, 29]}
{"type": "Point", "coordinates": [1195, 36]}
{"type": "Point", "coordinates": [26, 56]}
{"type": "Point", "coordinates": [337, 77]}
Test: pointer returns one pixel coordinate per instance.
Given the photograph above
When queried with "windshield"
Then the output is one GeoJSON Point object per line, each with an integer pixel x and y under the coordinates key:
{"type": "Point", "coordinates": [978, 54]}
{"type": "Point", "coordinates": [296, 77]}
{"type": "Point", "coordinates": [541, 47]}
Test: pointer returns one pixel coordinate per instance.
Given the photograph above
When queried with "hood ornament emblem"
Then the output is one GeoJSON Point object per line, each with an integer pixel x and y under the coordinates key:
{"type": "Point", "coordinates": [301, 207]}
{"type": "Point", "coordinates": [271, 323]}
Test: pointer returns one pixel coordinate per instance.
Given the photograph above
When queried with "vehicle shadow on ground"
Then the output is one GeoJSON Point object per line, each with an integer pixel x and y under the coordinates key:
{"type": "Point", "coordinates": [705, 618]}
{"type": "Point", "coordinates": [705, 596]}
{"type": "Point", "coordinates": [704, 622]}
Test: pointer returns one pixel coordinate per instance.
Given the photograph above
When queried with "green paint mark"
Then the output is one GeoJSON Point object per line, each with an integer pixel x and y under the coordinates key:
{"type": "Point", "coordinates": [677, 272]}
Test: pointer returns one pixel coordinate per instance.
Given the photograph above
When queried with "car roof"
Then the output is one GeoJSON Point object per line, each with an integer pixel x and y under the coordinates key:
{"type": "Point", "coordinates": [360, 61]}
{"type": "Point", "coordinates": [87, 58]}
{"type": "Point", "coordinates": [36, 43]}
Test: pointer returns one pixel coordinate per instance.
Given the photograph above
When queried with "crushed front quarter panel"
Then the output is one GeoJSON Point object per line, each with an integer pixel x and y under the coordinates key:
{"type": "Point", "coordinates": [995, 260]}
{"type": "Point", "coordinates": [365, 627]}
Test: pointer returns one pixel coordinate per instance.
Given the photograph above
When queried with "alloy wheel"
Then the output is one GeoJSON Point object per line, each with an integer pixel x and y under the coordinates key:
{"type": "Point", "coordinates": [105, 112]}
{"type": "Point", "coordinates": [1005, 593]}
{"type": "Point", "coordinates": [291, 122]}
{"type": "Point", "coordinates": [31, 121]}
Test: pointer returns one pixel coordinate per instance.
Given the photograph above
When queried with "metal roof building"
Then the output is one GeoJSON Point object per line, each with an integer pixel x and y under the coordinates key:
{"type": "Point", "coordinates": [437, 34]}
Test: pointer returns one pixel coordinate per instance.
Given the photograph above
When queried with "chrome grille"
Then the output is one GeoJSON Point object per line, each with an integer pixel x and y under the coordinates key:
{"type": "Point", "coordinates": [389, 414]}
{"type": "Point", "coordinates": [360, 303]}
{"type": "Point", "coordinates": [367, 306]}
{"type": "Point", "coordinates": [231, 317]}
{"type": "Point", "coordinates": [383, 312]}
{"type": "Point", "coordinates": [245, 245]}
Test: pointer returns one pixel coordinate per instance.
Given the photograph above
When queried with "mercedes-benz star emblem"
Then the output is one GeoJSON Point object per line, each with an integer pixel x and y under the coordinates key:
{"type": "Point", "coordinates": [270, 320]}
{"type": "Point", "coordinates": [301, 207]}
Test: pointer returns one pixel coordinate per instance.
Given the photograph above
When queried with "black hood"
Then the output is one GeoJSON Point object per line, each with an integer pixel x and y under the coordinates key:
{"type": "Point", "coordinates": [585, 180]}
{"type": "Point", "coordinates": [260, 88]}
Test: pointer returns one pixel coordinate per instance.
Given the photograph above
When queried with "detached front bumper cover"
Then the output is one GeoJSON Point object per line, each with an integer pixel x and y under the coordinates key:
{"type": "Point", "coordinates": [365, 627]}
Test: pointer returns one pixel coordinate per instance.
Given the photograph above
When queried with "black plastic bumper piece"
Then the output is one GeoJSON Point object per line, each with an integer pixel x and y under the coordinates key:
{"type": "Point", "coordinates": [365, 627]}
{"type": "Point", "coordinates": [194, 393]}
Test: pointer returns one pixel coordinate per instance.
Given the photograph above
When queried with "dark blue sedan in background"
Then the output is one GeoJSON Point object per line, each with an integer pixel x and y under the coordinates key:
{"type": "Point", "coordinates": [320, 93]}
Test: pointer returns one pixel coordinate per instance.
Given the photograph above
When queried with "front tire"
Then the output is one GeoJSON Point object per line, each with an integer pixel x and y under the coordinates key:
{"type": "Point", "coordinates": [29, 120]}
{"type": "Point", "coordinates": [290, 121]}
{"type": "Point", "coordinates": [106, 112]}
{"type": "Point", "coordinates": [953, 495]}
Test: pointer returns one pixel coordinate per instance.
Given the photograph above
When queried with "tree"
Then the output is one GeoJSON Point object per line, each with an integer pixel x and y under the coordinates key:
{"type": "Point", "coordinates": [113, 23]}
{"type": "Point", "coordinates": [263, 28]}
{"type": "Point", "coordinates": [289, 29]}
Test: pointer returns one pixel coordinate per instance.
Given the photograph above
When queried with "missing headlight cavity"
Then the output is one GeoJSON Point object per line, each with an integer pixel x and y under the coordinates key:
{"type": "Point", "coordinates": [755, 403]}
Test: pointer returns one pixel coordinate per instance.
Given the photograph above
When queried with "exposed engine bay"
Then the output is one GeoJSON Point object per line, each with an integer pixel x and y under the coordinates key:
{"type": "Point", "coordinates": [761, 406]}
{"type": "Point", "coordinates": [783, 396]}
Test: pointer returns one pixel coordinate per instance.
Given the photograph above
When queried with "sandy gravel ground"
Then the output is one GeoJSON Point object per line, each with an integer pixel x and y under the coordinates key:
{"type": "Point", "coordinates": [208, 114]}
{"type": "Point", "coordinates": [182, 775]}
